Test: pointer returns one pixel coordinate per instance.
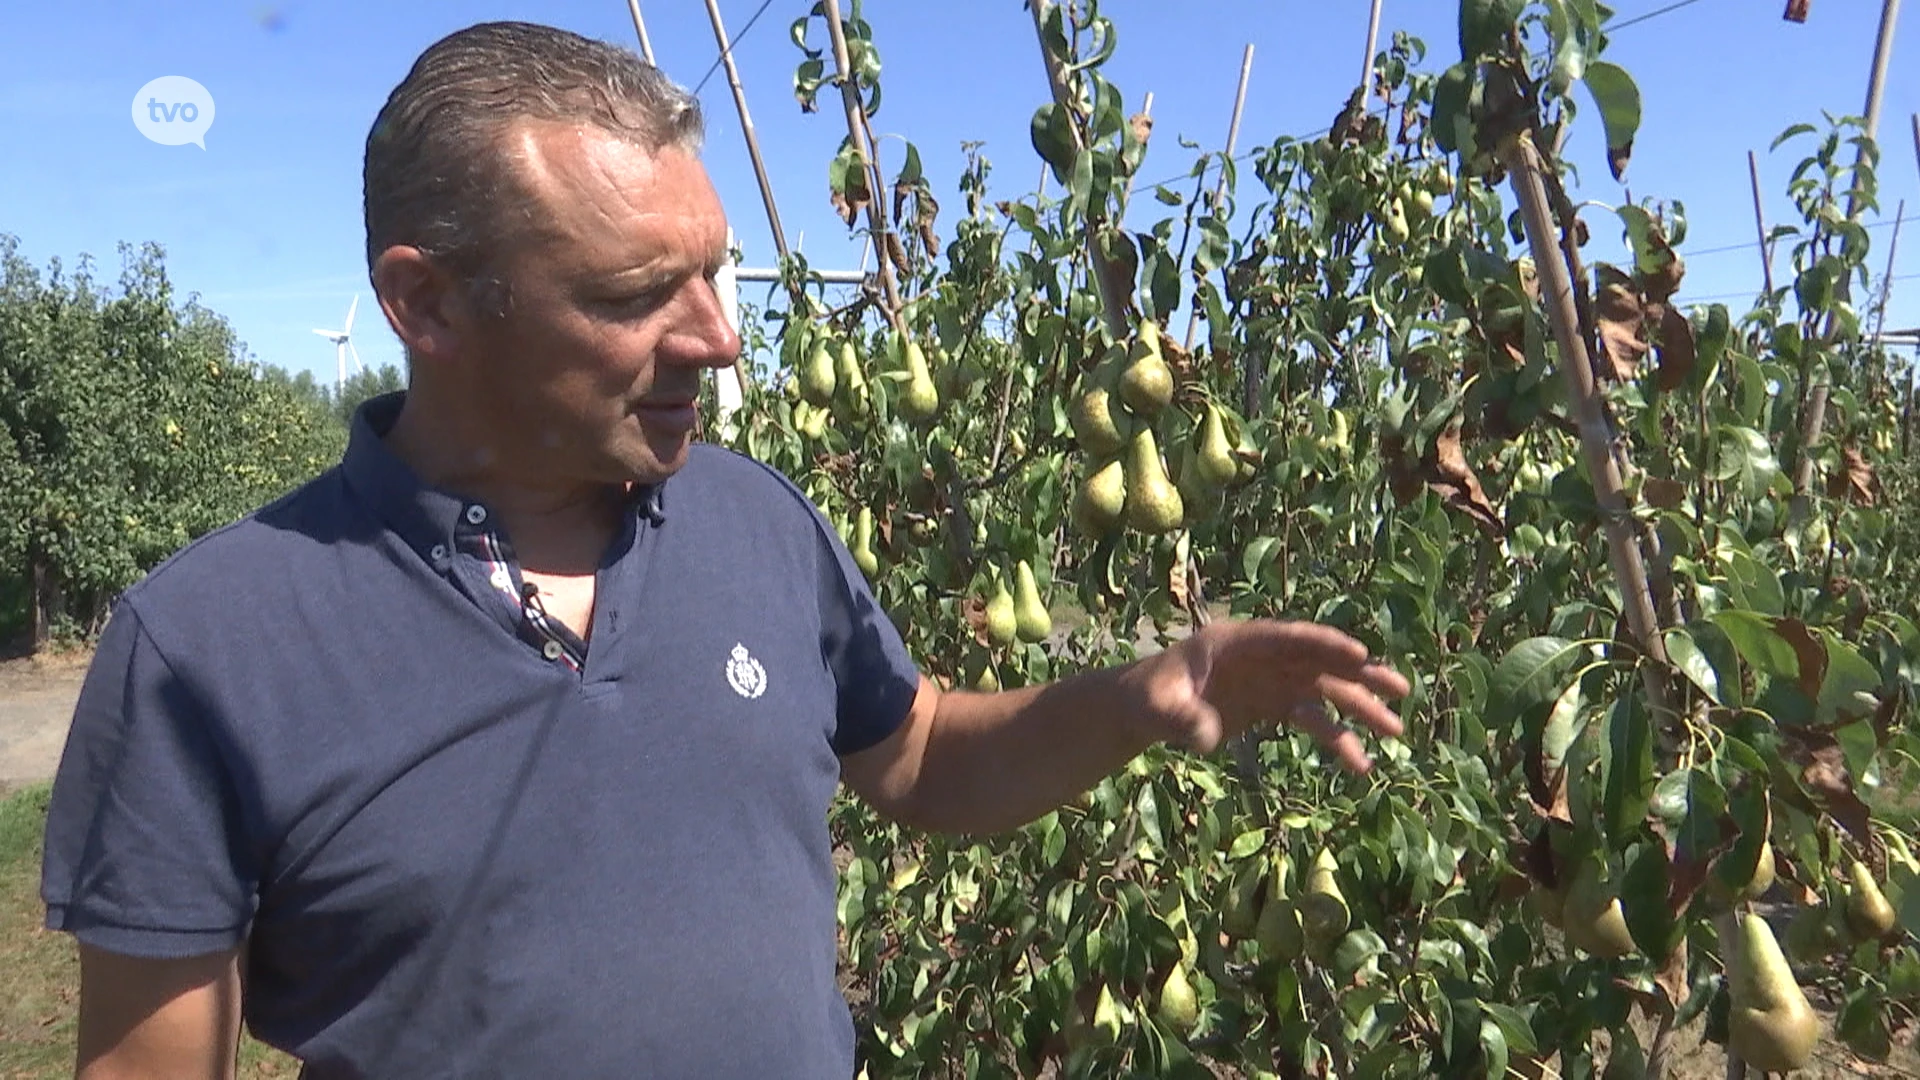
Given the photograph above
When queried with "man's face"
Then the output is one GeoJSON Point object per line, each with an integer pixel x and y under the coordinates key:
{"type": "Point", "coordinates": [595, 368]}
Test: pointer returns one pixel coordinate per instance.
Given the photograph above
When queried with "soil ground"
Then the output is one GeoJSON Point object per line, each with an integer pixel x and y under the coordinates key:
{"type": "Point", "coordinates": [37, 695]}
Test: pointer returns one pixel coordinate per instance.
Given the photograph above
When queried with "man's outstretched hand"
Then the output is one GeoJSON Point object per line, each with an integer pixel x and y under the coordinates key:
{"type": "Point", "coordinates": [1234, 676]}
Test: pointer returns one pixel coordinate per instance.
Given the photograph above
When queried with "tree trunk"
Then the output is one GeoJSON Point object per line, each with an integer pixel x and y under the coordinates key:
{"type": "Point", "coordinates": [40, 605]}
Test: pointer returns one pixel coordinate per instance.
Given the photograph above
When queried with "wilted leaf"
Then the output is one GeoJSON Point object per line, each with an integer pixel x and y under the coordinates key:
{"type": "Point", "coordinates": [1855, 482]}
{"type": "Point", "coordinates": [1676, 349]}
{"type": "Point", "coordinates": [1616, 306]}
{"type": "Point", "coordinates": [1807, 649]}
{"type": "Point", "coordinates": [1614, 92]}
{"type": "Point", "coordinates": [1459, 487]}
{"type": "Point", "coordinates": [1826, 777]}
{"type": "Point", "coordinates": [1663, 493]}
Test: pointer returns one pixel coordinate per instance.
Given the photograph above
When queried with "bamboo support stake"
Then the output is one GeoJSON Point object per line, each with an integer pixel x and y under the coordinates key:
{"type": "Point", "coordinates": [1760, 225]}
{"type": "Point", "coordinates": [1523, 166]}
{"type": "Point", "coordinates": [1233, 137]}
{"type": "Point", "coordinates": [746, 128]}
{"type": "Point", "coordinates": [640, 27]}
{"type": "Point", "coordinates": [1114, 307]}
{"type": "Point", "coordinates": [857, 131]}
{"type": "Point", "coordinates": [1366, 62]}
{"type": "Point", "coordinates": [1817, 400]}
{"type": "Point", "coordinates": [1886, 279]}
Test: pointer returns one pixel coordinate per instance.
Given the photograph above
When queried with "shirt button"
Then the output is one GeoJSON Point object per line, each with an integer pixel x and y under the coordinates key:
{"type": "Point", "coordinates": [439, 552]}
{"type": "Point", "coordinates": [502, 580]}
{"type": "Point", "coordinates": [551, 650]}
{"type": "Point", "coordinates": [476, 514]}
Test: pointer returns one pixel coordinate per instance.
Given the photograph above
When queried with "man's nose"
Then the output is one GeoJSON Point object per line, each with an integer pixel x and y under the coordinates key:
{"type": "Point", "coordinates": [702, 335]}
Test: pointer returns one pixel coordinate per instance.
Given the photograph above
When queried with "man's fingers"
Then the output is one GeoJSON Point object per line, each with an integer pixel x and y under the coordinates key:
{"type": "Point", "coordinates": [1312, 718]}
{"type": "Point", "coordinates": [1362, 704]}
{"type": "Point", "coordinates": [1314, 647]}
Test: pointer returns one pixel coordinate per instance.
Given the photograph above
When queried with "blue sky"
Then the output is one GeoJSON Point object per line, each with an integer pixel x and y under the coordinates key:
{"type": "Point", "coordinates": [265, 222]}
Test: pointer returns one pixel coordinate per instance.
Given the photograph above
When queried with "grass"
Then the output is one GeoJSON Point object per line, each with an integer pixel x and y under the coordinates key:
{"type": "Point", "coordinates": [39, 1008]}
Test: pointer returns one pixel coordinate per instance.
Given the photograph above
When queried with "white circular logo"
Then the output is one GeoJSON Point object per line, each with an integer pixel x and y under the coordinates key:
{"type": "Point", "coordinates": [745, 674]}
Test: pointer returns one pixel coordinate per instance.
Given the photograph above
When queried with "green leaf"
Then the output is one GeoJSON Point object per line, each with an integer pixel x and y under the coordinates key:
{"type": "Point", "coordinates": [1693, 663]}
{"type": "Point", "coordinates": [1246, 844]}
{"type": "Point", "coordinates": [1618, 100]}
{"type": "Point", "coordinates": [1515, 1026]}
{"type": "Point", "coordinates": [1485, 24]}
{"type": "Point", "coordinates": [1627, 765]}
{"type": "Point", "coordinates": [1052, 134]}
{"type": "Point", "coordinates": [1531, 671]}
{"type": "Point", "coordinates": [1745, 453]}
{"type": "Point", "coordinates": [1452, 108]}
{"type": "Point", "coordinates": [1643, 899]}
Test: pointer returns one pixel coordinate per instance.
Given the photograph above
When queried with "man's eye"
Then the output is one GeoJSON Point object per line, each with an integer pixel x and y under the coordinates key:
{"type": "Point", "coordinates": [639, 301]}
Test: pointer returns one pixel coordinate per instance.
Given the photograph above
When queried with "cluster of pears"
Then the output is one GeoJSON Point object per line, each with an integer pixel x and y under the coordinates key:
{"type": "Point", "coordinates": [1587, 910]}
{"type": "Point", "coordinates": [1019, 615]}
{"type": "Point", "coordinates": [1286, 927]}
{"type": "Point", "coordinates": [829, 378]}
{"type": "Point", "coordinates": [1126, 477]}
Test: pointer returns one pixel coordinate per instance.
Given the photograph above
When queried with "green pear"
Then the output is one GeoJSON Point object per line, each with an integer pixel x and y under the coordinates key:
{"type": "Point", "coordinates": [1279, 932]}
{"type": "Point", "coordinates": [921, 400]}
{"type": "Point", "coordinates": [817, 375]}
{"type": "Point", "coordinates": [1214, 458]}
{"type": "Point", "coordinates": [1769, 1022]}
{"type": "Point", "coordinates": [1153, 504]}
{"type": "Point", "coordinates": [1147, 383]}
{"type": "Point", "coordinates": [1868, 914]}
{"type": "Point", "coordinates": [1324, 915]}
{"type": "Point", "coordinates": [1764, 872]}
{"type": "Point", "coordinates": [1032, 623]}
{"type": "Point", "coordinates": [1396, 222]}
{"type": "Point", "coordinates": [1098, 423]}
{"type": "Point", "coordinates": [852, 381]}
{"type": "Point", "coordinates": [1098, 503]}
{"type": "Point", "coordinates": [1240, 915]}
{"type": "Point", "coordinates": [1179, 1007]}
{"type": "Point", "coordinates": [863, 555]}
{"type": "Point", "coordinates": [1003, 622]}
{"type": "Point", "coordinates": [1106, 1017]}
{"type": "Point", "coordinates": [1592, 916]}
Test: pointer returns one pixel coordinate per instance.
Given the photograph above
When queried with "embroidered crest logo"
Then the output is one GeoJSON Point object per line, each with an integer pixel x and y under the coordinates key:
{"type": "Point", "coordinates": [745, 674]}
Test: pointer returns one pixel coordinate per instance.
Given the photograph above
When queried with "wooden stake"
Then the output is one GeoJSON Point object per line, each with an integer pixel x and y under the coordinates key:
{"type": "Point", "coordinates": [1523, 166]}
{"type": "Point", "coordinates": [1233, 137]}
{"type": "Point", "coordinates": [857, 131]}
{"type": "Point", "coordinates": [640, 27]}
{"type": "Point", "coordinates": [746, 126]}
{"type": "Point", "coordinates": [1760, 225]}
{"type": "Point", "coordinates": [1366, 62]}
{"type": "Point", "coordinates": [1886, 279]}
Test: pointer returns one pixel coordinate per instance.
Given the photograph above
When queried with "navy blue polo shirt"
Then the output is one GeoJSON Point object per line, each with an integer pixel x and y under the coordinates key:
{"type": "Point", "coordinates": [458, 842]}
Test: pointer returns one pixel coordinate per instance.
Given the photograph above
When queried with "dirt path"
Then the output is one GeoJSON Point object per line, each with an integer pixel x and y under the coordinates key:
{"type": "Point", "coordinates": [36, 707]}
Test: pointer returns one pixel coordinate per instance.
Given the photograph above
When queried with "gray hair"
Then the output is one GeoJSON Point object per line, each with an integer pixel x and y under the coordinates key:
{"type": "Point", "coordinates": [436, 176]}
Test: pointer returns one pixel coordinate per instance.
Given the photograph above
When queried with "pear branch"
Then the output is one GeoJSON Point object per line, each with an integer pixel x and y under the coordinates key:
{"type": "Point", "coordinates": [877, 225]}
{"type": "Point", "coordinates": [1524, 167]}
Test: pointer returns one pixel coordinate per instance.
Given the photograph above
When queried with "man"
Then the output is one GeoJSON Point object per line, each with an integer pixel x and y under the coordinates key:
{"type": "Point", "coordinates": [505, 747]}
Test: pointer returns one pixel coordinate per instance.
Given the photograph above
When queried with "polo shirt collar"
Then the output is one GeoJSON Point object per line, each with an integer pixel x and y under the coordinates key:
{"type": "Point", "coordinates": [427, 517]}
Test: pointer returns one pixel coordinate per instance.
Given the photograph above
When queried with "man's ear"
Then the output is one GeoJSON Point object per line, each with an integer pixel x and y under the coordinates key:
{"type": "Point", "coordinates": [426, 307]}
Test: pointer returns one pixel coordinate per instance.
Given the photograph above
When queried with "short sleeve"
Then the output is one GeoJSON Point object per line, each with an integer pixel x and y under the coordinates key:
{"type": "Point", "coordinates": [874, 676]}
{"type": "Point", "coordinates": [144, 854]}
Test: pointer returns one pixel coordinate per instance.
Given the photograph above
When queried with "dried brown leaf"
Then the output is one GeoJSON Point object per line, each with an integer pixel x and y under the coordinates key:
{"type": "Point", "coordinates": [974, 611]}
{"type": "Point", "coordinates": [1797, 10]}
{"type": "Point", "coordinates": [1177, 583]}
{"type": "Point", "coordinates": [1807, 649]}
{"type": "Point", "coordinates": [1825, 775]}
{"type": "Point", "coordinates": [1677, 354]}
{"type": "Point", "coordinates": [1672, 977]}
{"type": "Point", "coordinates": [1663, 493]}
{"type": "Point", "coordinates": [1456, 483]}
{"type": "Point", "coordinates": [1617, 308]}
{"type": "Point", "coordinates": [1855, 482]}
{"type": "Point", "coordinates": [897, 254]}
{"type": "Point", "coordinates": [1142, 126]}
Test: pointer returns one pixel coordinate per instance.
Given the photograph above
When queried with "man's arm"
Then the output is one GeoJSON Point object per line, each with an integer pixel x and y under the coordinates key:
{"type": "Point", "coordinates": [158, 1019]}
{"type": "Point", "coordinates": [983, 763]}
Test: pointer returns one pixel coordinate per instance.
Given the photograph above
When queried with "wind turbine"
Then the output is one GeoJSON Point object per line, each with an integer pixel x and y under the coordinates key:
{"type": "Point", "coordinates": [343, 344]}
